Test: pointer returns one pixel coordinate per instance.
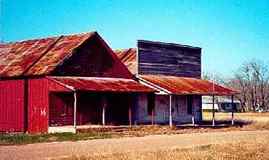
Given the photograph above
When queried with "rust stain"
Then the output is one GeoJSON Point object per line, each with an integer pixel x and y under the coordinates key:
{"type": "Point", "coordinates": [15, 58]}
{"type": "Point", "coordinates": [188, 86]}
{"type": "Point", "coordinates": [102, 84]}
{"type": "Point", "coordinates": [38, 56]}
{"type": "Point", "coordinates": [61, 50]}
{"type": "Point", "coordinates": [128, 57]}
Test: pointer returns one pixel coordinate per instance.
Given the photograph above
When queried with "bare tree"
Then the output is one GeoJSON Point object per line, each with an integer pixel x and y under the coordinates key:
{"type": "Point", "coordinates": [252, 80]}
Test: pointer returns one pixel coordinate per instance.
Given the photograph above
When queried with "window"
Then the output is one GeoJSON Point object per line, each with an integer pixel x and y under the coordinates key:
{"type": "Point", "coordinates": [151, 103]}
{"type": "Point", "coordinates": [189, 104]}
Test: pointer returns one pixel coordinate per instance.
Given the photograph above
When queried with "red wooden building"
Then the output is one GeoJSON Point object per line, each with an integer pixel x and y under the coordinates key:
{"type": "Point", "coordinates": [66, 80]}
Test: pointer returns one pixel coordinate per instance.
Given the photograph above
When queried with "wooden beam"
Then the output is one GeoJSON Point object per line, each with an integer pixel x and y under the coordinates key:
{"type": "Point", "coordinates": [193, 112]}
{"type": "Point", "coordinates": [152, 117]}
{"type": "Point", "coordinates": [233, 109]}
{"type": "Point", "coordinates": [130, 115]}
{"type": "Point", "coordinates": [213, 110]}
{"type": "Point", "coordinates": [75, 110]}
{"type": "Point", "coordinates": [170, 111]}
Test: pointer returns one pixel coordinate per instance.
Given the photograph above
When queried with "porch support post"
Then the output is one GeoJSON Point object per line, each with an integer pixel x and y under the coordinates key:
{"type": "Point", "coordinates": [213, 110]}
{"type": "Point", "coordinates": [233, 109]}
{"type": "Point", "coordinates": [75, 111]}
{"type": "Point", "coordinates": [152, 117]}
{"type": "Point", "coordinates": [130, 115]}
{"type": "Point", "coordinates": [192, 111]}
{"type": "Point", "coordinates": [170, 111]}
{"type": "Point", "coordinates": [103, 112]}
{"type": "Point", "coordinates": [192, 118]}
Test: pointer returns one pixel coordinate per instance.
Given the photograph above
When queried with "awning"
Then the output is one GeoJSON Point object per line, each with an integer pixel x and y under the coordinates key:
{"type": "Point", "coordinates": [97, 84]}
{"type": "Point", "coordinates": [185, 86]}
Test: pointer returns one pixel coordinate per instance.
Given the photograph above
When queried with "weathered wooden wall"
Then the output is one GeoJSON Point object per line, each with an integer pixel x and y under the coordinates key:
{"type": "Point", "coordinates": [161, 113]}
{"type": "Point", "coordinates": [168, 59]}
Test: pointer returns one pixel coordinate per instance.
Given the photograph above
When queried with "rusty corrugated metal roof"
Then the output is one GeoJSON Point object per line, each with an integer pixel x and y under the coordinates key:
{"type": "Point", "coordinates": [16, 57]}
{"type": "Point", "coordinates": [39, 56]}
{"type": "Point", "coordinates": [128, 57]}
{"type": "Point", "coordinates": [97, 84]}
{"type": "Point", "coordinates": [187, 86]}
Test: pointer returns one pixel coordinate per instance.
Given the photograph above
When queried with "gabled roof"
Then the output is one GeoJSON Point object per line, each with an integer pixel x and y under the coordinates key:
{"type": "Point", "coordinates": [38, 56]}
{"type": "Point", "coordinates": [185, 86]}
{"type": "Point", "coordinates": [129, 58]}
{"type": "Point", "coordinates": [101, 84]}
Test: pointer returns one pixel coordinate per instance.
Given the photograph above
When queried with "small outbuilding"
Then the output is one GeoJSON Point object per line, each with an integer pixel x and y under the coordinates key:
{"type": "Point", "coordinates": [221, 104]}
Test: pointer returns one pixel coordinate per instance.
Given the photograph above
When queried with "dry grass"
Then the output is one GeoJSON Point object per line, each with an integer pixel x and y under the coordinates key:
{"type": "Point", "coordinates": [253, 121]}
{"type": "Point", "coordinates": [245, 150]}
{"type": "Point", "coordinates": [258, 117]}
{"type": "Point", "coordinates": [249, 149]}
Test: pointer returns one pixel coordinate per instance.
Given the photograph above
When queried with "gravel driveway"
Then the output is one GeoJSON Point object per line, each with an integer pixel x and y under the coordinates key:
{"type": "Point", "coordinates": [147, 143]}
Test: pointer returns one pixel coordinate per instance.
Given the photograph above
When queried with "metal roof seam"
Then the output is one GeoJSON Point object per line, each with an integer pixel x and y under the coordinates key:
{"type": "Point", "coordinates": [154, 85]}
{"type": "Point", "coordinates": [43, 54]}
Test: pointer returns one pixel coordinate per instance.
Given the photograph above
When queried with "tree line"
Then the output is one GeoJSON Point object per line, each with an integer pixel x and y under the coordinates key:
{"type": "Point", "coordinates": [251, 79]}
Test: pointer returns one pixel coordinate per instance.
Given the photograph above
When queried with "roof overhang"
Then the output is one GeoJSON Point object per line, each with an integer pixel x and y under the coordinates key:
{"type": "Point", "coordinates": [184, 86]}
{"type": "Point", "coordinates": [101, 84]}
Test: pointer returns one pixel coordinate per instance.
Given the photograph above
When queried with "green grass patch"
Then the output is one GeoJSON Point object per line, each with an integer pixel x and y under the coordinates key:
{"type": "Point", "coordinates": [12, 139]}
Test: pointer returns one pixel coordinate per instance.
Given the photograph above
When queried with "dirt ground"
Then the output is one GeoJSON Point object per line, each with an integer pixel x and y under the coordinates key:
{"type": "Point", "coordinates": [58, 150]}
{"type": "Point", "coordinates": [254, 132]}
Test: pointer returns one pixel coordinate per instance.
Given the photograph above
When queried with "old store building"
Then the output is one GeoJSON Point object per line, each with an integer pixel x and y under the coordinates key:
{"type": "Point", "coordinates": [173, 70]}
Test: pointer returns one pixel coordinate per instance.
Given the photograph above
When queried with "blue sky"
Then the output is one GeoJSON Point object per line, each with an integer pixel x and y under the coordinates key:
{"type": "Point", "coordinates": [229, 32]}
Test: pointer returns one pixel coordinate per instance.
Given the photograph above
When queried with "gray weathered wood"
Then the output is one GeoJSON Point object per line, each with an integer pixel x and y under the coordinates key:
{"type": "Point", "coordinates": [168, 59]}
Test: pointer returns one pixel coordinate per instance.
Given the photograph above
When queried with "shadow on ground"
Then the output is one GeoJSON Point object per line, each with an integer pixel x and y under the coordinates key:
{"type": "Point", "coordinates": [218, 124]}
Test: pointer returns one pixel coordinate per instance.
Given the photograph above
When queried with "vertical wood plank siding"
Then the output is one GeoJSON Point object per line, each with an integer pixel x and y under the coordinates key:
{"type": "Point", "coordinates": [12, 106]}
{"type": "Point", "coordinates": [168, 59]}
{"type": "Point", "coordinates": [38, 105]}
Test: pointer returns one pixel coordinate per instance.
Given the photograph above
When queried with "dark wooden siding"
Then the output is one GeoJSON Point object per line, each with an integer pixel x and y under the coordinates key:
{"type": "Point", "coordinates": [92, 59]}
{"type": "Point", "coordinates": [61, 109]}
{"type": "Point", "coordinates": [168, 59]}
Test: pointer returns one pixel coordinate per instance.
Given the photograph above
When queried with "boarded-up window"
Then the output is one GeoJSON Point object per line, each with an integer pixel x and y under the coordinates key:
{"type": "Point", "coordinates": [189, 104]}
{"type": "Point", "coordinates": [151, 103]}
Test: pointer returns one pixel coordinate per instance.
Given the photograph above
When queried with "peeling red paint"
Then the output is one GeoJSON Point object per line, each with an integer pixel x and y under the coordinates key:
{"type": "Point", "coordinates": [97, 84]}
{"type": "Point", "coordinates": [185, 86]}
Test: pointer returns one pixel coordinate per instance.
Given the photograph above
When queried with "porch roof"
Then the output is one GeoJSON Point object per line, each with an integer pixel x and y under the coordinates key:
{"type": "Point", "coordinates": [101, 84]}
{"type": "Point", "coordinates": [186, 86]}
